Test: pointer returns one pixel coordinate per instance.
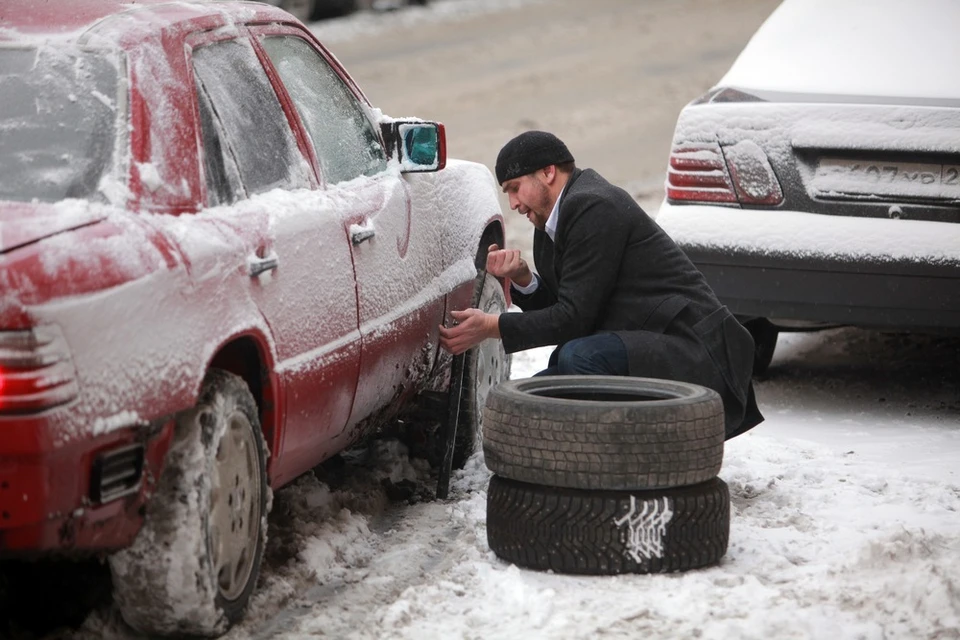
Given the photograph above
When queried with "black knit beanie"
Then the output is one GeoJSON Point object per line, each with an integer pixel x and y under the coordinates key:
{"type": "Point", "coordinates": [528, 152]}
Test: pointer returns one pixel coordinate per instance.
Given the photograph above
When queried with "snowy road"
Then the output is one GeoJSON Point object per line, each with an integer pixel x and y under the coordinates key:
{"type": "Point", "coordinates": [844, 525]}
{"type": "Point", "coordinates": [845, 503]}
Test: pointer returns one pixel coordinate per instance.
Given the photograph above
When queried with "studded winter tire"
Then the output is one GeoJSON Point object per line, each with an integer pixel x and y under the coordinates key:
{"type": "Point", "coordinates": [603, 432]}
{"type": "Point", "coordinates": [194, 565]}
{"type": "Point", "coordinates": [608, 532]}
{"type": "Point", "coordinates": [484, 367]}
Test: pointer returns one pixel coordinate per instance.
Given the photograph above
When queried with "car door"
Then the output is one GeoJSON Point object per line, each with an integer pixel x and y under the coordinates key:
{"type": "Point", "coordinates": [299, 268]}
{"type": "Point", "coordinates": [399, 311]}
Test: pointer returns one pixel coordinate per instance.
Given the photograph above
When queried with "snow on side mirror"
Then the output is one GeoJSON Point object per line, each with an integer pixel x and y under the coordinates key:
{"type": "Point", "coordinates": [417, 145]}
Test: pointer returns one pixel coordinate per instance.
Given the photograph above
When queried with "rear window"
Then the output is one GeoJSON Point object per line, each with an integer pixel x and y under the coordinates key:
{"type": "Point", "coordinates": [58, 113]}
{"type": "Point", "coordinates": [881, 48]}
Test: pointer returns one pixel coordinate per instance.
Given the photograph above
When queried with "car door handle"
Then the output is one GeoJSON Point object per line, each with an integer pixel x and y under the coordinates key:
{"type": "Point", "coordinates": [257, 265]}
{"type": "Point", "coordinates": [361, 235]}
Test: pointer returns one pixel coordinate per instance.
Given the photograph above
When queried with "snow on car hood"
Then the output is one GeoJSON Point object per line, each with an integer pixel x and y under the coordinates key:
{"type": "Point", "coordinates": [883, 48]}
{"type": "Point", "coordinates": [24, 223]}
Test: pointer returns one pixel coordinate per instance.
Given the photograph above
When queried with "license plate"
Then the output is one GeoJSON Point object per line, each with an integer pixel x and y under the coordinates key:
{"type": "Point", "coordinates": [842, 177]}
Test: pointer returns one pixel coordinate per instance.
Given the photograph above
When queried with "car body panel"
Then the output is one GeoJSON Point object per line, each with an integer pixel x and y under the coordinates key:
{"type": "Point", "coordinates": [158, 283]}
{"type": "Point", "coordinates": [831, 269]}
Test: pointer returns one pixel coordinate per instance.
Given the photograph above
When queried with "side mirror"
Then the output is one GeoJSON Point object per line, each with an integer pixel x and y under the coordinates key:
{"type": "Point", "coordinates": [417, 145]}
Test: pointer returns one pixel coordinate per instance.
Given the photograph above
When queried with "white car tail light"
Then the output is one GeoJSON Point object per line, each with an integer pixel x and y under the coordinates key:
{"type": "Point", "coordinates": [36, 371]}
{"type": "Point", "coordinates": [698, 173]}
{"type": "Point", "coordinates": [739, 174]}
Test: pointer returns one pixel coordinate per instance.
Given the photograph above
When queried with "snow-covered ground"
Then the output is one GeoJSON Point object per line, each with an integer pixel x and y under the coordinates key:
{"type": "Point", "coordinates": [844, 524]}
{"type": "Point", "coordinates": [844, 520]}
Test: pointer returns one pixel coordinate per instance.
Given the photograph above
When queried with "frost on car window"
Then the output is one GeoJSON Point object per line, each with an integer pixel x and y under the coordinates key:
{"type": "Point", "coordinates": [222, 174]}
{"type": "Point", "coordinates": [257, 136]}
{"type": "Point", "coordinates": [58, 118]}
{"type": "Point", "coordinates": [346, 144]}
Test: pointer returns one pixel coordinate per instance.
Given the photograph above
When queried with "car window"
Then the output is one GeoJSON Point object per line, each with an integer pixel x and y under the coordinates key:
{"type": "Point", "coordinates": [223, 177]}
{"type": "Point", "coordinates": [243, 108]}
{"type": "Point", "coordinates": [346, 143]}
{"type": "Point", "coordinates": [58, 122]}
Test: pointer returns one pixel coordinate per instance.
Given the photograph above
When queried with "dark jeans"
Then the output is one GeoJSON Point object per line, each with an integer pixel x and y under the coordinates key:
{"type": "Point", "coordinates": [601, 354]}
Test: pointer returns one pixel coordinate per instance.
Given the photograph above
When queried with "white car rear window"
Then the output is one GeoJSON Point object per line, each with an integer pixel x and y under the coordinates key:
{"type": "Point", "coordinates": [881, 48]}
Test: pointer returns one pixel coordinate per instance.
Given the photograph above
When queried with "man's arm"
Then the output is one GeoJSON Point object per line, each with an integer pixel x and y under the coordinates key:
{"type": "Point", "coordinates": [474, 326]}
{"type": "Point", "coordinates": [595, 238]}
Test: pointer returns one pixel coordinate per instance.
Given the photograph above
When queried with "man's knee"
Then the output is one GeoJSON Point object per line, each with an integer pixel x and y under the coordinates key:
{"type": "Point", "coordinates": [602, 354]}
{"type": "Point", "coordinates": [573, 358]}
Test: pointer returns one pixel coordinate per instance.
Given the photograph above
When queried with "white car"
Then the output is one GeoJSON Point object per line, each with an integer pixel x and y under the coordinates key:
{"type": "Point", "coordinates": [818, 183]}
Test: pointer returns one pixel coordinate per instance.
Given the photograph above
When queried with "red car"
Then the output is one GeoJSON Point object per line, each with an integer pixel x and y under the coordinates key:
{"type": "Point", "coordinates": [220, 265]}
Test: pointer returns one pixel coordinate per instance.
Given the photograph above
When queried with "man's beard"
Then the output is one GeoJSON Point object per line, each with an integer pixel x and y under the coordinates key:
{"type": "Point", "coordinates": [544, 206]}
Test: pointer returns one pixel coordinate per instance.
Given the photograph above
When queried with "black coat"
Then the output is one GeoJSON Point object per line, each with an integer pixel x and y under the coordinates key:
{"type": "Point", "coordinates": [612, 268]}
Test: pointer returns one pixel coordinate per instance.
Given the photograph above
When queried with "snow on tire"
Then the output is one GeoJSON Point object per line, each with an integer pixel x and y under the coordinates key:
{"type": "Point", "coordinates": [603, 432]}
{"type": "Point", "coordinates": [608, 532]}
{"type": "Point", "coordinates": [194, 564]}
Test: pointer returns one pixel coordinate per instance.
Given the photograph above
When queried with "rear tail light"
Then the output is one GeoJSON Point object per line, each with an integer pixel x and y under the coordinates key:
{"type": "Point", "coordinates": [738, 174]}
{"type": "Point", "coordinates": [697, 173]}
{"type": "Point", "coordinates": [36, 371]}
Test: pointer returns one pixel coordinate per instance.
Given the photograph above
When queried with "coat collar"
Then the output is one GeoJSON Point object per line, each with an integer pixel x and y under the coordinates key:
{"type": "Point", "coordinates": [563, 196]}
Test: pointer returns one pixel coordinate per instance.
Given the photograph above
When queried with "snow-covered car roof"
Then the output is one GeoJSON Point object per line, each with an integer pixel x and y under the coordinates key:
{"type": "Point", "coordinates": [48, 19]}
{"type": "Point", "coordinates": [882, 48]}
{"type": "Point", "coordinates": [144, 92]}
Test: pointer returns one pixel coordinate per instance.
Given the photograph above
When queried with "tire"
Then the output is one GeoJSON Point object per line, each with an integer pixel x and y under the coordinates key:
{"type": "Point", "coordinates": [764, 334]}
{"type": "Point", "coordinates": [484, 367]}
{"type": "Point", "coordinates": [604, 432]}
{"type": "Point", "coordinates": [601, 532]}
{"type": "Point", "coordinates": [173, 581]}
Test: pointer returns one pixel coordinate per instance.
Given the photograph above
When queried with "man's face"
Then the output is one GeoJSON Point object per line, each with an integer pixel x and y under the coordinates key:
{"type": "Point", "coordinates": [530, 196]}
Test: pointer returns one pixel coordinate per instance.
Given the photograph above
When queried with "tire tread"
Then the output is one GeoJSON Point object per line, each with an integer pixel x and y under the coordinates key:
{"type": "Point", "coordinates": [625, 446]}
{"type": "Point", "coordinates": [573, 531]}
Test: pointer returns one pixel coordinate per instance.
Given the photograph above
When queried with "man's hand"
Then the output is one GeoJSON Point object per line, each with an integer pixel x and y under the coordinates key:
{"type": "Point", "coordinates": [473, 327]}
{"type": "Point", "coordinates": [507, 263]}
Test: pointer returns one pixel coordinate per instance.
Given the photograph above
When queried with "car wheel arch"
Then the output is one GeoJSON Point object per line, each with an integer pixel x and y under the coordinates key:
{"type": "Point", "coordinates": [492, 234]}
{"type": "Point", "coordinates": [249, 356]}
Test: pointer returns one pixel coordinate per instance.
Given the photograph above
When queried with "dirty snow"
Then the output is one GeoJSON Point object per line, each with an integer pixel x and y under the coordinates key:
{"type": "Point", "coordinates": [843, 525]}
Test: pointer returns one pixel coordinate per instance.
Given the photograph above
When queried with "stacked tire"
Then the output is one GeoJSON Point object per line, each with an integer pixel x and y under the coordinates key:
{"type": "Point", "coordinates": [605, 475]}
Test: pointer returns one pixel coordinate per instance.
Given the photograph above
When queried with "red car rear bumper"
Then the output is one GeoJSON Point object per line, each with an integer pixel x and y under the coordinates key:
{"type": "Point", "coordinates": [50, 498]}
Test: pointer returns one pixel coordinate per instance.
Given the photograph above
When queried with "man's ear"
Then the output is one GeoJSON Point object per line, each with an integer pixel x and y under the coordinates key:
{"type": "Point", "coordinates": [549, 173]}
